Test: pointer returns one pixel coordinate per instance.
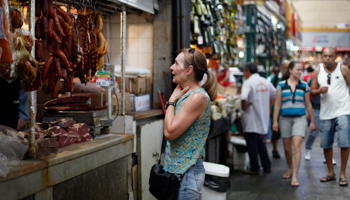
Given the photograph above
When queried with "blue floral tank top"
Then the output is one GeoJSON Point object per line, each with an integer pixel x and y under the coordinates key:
{"type": "Point", "coordinates": [183, 152]}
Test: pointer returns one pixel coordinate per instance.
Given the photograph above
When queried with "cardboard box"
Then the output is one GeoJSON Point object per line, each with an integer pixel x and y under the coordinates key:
{"type": "Point", "coordinates": [117, 105]}
{"type": "Point", "coordinates": [140, 85]}
{"type": "Point", "coordinates": [127, 83]}
{"type": "Point", "coordinates": [132, 101]}
{"type": "Point", "coordinates": [142, 102]}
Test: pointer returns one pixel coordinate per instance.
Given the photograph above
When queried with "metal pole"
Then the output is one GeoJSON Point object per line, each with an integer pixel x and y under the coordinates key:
{"type": "Point", "coordinates": [32, 95]}
{"type": "Point", "coordinates": [123, 50]}
{"type": "Point", "coordinates": [109, 102]}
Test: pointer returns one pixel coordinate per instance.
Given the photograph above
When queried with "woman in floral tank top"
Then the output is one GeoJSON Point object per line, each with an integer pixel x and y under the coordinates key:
{"type": "Point", "coordinates": [187, 121]}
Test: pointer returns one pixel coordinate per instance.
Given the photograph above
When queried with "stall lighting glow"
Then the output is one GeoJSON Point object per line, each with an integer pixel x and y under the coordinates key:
{"type": "Point", "coordinates": [274, 20]}
{"type": "Point", "coordinates": [278, 26]}
{"type": "Point", "coordinates": [296, 48]}
{"type": "Point", "coordinates": [241, 54]}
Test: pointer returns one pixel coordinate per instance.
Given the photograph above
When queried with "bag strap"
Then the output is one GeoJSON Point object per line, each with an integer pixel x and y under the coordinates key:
{"type": "Point", "coordinates": [162, 149]}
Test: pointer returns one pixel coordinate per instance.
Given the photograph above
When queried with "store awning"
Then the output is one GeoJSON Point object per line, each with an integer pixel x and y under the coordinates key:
{"type": "Point", "coordinates": [273, 7]}
{"type": "Point", "coordinates": [265, 11]}
{"type": "Point", "coordinates": [144, 5]}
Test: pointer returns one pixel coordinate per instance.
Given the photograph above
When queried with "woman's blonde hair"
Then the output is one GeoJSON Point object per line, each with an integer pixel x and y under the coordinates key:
{"type": "Point", "coordinates": [199, 62]}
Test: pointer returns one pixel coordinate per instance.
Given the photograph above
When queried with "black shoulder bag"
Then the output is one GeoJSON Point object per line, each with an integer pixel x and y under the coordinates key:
{"type": "Point", "coordinates": [163, 185]}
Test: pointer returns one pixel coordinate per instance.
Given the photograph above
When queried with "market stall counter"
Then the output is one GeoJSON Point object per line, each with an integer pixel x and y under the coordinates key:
{"type": "Point", "coordinates": [92, 170]}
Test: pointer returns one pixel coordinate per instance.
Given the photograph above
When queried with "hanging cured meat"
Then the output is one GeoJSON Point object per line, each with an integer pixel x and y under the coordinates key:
{"type": "Point", "coordinates": [15, 46]}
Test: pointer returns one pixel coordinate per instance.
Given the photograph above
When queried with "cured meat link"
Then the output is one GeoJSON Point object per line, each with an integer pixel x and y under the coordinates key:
{"type": "Point", "coordinates": [51, 28]}
{"type": "Point", "coordinates": [38, 28]}
{"type": "Point", "coordinates": [51, 82]}
{"type": "Point", "coordinates": [59, 53]}
{"type": "Point", "coordinates": [16, 17]}
{"type": "Point", "coordinates": [44, 26]}
{"type": "Point", "coordinates": [57, 64]}
{"type": "Point", "coordinates": [45, 7]}
{"type": "Point", "coordinates": [38, 50]}
{"type": "Point", "coordinates": [47, 66]}
{"type": "Point", "coordinates": [27, 69]}
{"type": "Point", "coordinates": [57, 23]}
{"type": "Point", "coordinates": [51, 14]}
{"type": "Point", "coordinates": [56, 87]}
{"type": "Point", "coordinates": [99, 24]}
{"type": "Point", "coordinates": [64, 14]}
{"type": "Point", "coordinates": [38, 8]}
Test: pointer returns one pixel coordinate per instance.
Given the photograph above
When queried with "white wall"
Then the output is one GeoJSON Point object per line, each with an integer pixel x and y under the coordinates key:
{"type": "Point", "coordinates": [139, 41]}
{"type": "Point", "coordinates": [322, 13]}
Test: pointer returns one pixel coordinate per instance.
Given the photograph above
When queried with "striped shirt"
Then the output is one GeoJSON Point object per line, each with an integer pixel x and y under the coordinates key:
{"type": "Point", "coordinates": [292, 103]}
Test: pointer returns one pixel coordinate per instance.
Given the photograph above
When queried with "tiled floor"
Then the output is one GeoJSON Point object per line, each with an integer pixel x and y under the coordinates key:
{"type": "Point", "coordinates": [271, 186]}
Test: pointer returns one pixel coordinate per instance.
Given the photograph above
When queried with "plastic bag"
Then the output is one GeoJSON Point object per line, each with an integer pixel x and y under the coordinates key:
{"type": "Point", "coordinates": [12, 149]}
{"type": "Point", "coordinates": [11, 152]}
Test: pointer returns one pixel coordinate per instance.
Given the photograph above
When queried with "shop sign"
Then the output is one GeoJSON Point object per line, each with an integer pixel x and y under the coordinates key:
{"type": "Point", "coordinates": [326, 39]}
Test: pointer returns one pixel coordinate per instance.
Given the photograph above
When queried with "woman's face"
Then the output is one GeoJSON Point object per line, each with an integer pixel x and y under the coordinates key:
{"type": "Point", "coordinates": [178, 69]}
{"type": "Point", "coordinates": [296, 71]}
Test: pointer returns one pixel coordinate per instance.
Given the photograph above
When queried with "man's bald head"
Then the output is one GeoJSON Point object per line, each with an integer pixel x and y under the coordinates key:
{"type": "Point", "coordinates": [331, 49]}
{"type": "Point", "coordinates": [328, 57]}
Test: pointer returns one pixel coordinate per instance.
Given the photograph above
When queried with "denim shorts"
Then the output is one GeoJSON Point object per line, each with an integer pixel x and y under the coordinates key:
{"type": "Point", "coordinates": [329, 127]}
{"type": "Point", "coordinates": [292, 126]}
{"type": "Point", "coordinates": [192, 182]}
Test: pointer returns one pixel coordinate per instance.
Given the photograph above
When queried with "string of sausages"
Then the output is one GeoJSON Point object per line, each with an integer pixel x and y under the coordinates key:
{"type": "Point", "coordinates": [75, 47]}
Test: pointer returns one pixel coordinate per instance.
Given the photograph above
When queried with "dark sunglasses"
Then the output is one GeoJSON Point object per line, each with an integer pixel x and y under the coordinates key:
{"type": "Point", "coordinates": [192, 50]}
{"type": "Point", "coordinates": [329, 79]}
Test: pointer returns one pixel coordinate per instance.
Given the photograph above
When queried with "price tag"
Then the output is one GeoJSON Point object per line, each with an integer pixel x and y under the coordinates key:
{"type": "Point", "coordinates": [103, 79]}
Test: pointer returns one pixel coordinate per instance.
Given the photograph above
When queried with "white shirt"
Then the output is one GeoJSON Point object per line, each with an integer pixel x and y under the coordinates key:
{"type": "Point", "coordinates": [257, 91]}
{"type": "Point", "coordinates": [336, 101]}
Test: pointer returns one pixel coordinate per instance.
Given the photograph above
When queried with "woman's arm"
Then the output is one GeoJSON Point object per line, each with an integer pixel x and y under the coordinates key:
{"type": "Point", "coordinates": [192, 109]}
{"type": "Point", "coordinates": [276, 110]}
{"type": "Point", "coordinates": [308, 107]}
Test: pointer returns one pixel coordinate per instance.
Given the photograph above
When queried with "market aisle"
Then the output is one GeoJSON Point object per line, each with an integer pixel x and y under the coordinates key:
{"type": "Point", "coordinates": [271, 186]}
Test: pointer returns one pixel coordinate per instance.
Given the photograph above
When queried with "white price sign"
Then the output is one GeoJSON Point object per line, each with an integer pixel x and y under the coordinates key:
{"type": "Point", "coordinates": [103, 79]}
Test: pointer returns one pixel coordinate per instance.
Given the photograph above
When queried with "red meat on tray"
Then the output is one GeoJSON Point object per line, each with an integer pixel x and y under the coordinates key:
{"type": "Point", "coordinates": [80, 128]}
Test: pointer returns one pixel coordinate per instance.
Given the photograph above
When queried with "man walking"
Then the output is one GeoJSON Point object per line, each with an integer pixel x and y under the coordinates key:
{"type": "Point", "coordinates": [257, 96]}
{"type": "Point", "coordinates": [331, 81]}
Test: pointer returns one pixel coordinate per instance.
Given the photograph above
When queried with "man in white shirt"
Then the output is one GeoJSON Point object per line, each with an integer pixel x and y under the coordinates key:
{"type": "Point", "coordinates": [331, 80]}
{"type": "Point", "coordinates": [257, 96]}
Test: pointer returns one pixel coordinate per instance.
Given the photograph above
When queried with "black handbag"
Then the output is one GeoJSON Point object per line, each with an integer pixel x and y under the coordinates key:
{"type": "Point", "coordinates": [163, 185]}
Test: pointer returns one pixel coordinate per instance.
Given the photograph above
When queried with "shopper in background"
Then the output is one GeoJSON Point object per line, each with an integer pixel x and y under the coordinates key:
{"type": "Point", "coordinates": [308, 76]}
{"type": "Point", "coordinates": [292, 101]}
{"type": "Point", "coordinates": [274, 72]}
{"type": "Point", "coordinates": [224, 78]}
{"type": "Point", "coordinates": [187, 121]}
{"type": "Point", "coordinates": [13, 105]}
{"type": "Point", "coordinates": [276, 135]}
{"type": "Point", "coordinates": [257, 96]}
{"type": "Point", "coordinates": [331, 80]}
